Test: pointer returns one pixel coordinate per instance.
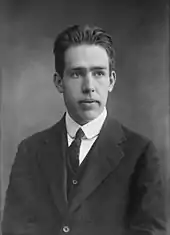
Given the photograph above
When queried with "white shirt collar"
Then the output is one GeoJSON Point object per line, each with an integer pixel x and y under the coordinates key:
{"type": "Point", "coordinates": [91, 129]}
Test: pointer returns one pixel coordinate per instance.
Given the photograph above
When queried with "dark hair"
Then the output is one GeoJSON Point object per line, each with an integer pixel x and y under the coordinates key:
{"type": "Point", "coordinates": [76, 35]}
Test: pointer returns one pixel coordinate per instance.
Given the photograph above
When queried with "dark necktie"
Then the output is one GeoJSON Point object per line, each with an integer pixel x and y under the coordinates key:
{"type": "Point", "coordinates": [74, 150]}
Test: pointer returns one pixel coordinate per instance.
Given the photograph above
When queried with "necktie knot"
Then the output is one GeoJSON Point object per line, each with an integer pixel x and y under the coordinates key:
{"type": "Point", "coordinates": [79, 134]}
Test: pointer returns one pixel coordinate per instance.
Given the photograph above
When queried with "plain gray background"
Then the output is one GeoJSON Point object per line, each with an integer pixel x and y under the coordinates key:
{"type": "Point", "coordinates": [29, 100]}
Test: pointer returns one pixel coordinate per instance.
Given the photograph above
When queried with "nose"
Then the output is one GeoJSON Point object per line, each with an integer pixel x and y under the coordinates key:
{"type": "Point", "coordinates": [88, 85]}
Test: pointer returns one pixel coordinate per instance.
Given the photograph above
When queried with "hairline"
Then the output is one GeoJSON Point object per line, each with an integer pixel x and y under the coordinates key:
{"type": "Point", "coordinates": [85, 41]}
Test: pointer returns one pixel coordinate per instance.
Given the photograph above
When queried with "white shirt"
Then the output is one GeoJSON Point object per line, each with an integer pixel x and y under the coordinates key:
{"type": "Point", "coordinates": [91, 131]}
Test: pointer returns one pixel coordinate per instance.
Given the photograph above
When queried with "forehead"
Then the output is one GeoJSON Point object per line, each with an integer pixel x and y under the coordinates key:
{"type": "Point", "coordinates": [86, 56]}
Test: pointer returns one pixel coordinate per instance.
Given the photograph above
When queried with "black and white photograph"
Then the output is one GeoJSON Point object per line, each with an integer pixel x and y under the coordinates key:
{"type": "Point", "coordinates": [84, 117]}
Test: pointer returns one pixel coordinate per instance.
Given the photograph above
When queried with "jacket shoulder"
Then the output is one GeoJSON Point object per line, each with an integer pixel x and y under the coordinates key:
{"type": "Point", "coordinates": [37, 138]}
{"type": "Point", "coordinates": [134, 138]}
{"type": "Point", "coordinates": [133, 134]}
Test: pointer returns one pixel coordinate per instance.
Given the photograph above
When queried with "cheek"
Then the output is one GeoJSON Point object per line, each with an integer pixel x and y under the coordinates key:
{"type": "Point", "coordinates": [69, 100]}
{"type": "Point", "coordinates": [103, 88]}
{"type": "Point", "coordinates": [71, 92]}
{"type": "Point", "coordinates": [73, 86]}
{"type": "Point", "coordinates": [104, 95]}
{"type": "Point", "coordinates": [103, 83]}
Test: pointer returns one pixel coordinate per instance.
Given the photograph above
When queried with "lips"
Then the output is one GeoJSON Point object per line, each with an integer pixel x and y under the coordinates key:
{"type": "Point", "coordinates": [88, 101]}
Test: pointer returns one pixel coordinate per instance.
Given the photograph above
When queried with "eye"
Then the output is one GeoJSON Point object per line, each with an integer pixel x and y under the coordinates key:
{"type": "Point", "coordinates": [98, 73]}
{"type": "Point", "coordinates": [75, 74]}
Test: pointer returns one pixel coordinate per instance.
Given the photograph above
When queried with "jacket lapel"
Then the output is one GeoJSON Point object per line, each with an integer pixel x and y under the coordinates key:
{"type": "Point", "coordinates": [52, 162]}
{"type": "Point", "coordinates": [104, 157]}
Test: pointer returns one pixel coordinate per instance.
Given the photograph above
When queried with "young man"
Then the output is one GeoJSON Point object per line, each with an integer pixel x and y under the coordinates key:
{"type": "Point", "coordinates": [88, 174]}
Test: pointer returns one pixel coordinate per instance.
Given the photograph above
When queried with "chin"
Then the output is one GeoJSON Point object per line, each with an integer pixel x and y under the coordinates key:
{"type": "Point", "coordinates": [88, 116]}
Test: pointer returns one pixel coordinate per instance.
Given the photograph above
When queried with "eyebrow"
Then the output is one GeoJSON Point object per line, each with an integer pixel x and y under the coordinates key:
{"type": "Point", "coordinates": [91, 68]}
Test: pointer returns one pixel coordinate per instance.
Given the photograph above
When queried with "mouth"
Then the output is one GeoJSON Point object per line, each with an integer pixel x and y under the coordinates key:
{"type": "Point", "coordinates": [88, 101]}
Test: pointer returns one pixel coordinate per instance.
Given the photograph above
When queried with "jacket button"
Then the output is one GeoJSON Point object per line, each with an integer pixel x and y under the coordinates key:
{"type": "Point", "coordinates": [66, 229]}
{"type": "Point", "coordinates": [75, 182]}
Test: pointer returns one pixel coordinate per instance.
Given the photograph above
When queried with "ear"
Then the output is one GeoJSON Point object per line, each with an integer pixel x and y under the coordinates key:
{"type": "Point", "coordinates": [58, 82]}
{"type": "Point", "coordinates": [112, 80]}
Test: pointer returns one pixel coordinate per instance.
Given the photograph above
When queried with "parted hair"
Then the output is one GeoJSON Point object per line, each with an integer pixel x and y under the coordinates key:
{"type": "Point", "coordinates": [77, 35]}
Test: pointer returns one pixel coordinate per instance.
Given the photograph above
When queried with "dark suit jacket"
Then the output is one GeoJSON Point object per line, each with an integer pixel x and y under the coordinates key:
{"type": "Point", "coordinates": [120, 193]}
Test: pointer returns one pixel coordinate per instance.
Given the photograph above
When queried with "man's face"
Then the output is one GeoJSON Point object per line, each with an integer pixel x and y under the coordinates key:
{"type": "Point", "coordinates": [86, 82]}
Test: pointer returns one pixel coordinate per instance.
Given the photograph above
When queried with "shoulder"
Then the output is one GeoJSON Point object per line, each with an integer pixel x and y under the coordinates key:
{"type": "Point", "coordinates": [127, 133]}
{"type": "Point", "coordinates": [140, 144]}
{"type": "Point", "coordinates": [134, 136]}
{"type": "Point", "coordinates": [132, 139]}
{"type": "Point", "coordinates": [35, 140]}
{"type": "Point", "coordinates": [142, 152]}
